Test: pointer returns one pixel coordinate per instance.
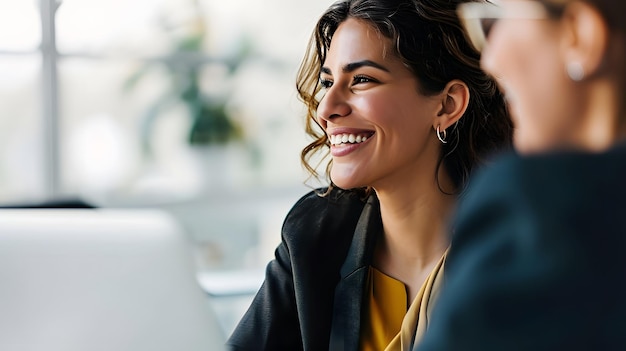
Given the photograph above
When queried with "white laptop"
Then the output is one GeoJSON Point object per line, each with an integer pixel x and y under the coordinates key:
{"type": "Point", "coordinates": [114, 280]}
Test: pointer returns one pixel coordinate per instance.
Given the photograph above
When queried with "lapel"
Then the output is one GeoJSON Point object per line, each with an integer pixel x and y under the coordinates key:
{"type": "Point", "coordinates": [348, 303]}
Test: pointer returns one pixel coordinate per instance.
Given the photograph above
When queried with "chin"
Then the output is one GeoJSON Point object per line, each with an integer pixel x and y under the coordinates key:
{"type": "Point", "coordinates": [345, 180]}
{"type": "Point", "coordinates": [346, 184]}
{"type": "Point", "coordinates": [527, 147]}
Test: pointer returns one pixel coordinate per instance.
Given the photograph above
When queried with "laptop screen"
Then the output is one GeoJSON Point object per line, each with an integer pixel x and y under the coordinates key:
{"type": "Point", "coordinates": [86, 279]}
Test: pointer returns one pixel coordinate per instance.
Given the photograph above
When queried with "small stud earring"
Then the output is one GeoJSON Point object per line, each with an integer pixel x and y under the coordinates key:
{"type": "Point", "coordinates": [575, 71]}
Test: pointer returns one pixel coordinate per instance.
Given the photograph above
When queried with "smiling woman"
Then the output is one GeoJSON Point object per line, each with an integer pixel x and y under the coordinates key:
{"type": "Point", "coordinates": [395, 95]}
{"type": "Point", "coordinates": [373, 95]}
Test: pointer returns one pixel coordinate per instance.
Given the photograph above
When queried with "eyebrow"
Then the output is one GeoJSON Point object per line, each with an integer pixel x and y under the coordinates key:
{"type": "Point", "coordinates": [351, 67]}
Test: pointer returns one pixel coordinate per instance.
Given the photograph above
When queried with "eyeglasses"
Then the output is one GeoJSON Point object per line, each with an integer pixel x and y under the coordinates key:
{"type": "Point", "coordinates": [479, 17]}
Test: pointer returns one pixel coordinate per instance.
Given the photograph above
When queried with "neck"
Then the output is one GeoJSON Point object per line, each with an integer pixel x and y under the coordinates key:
{"type": "Point", "coordinates": [601, 100]}
{"type": "Point", "coordinates": [601, 126]}
{"type": "Point", "coordinates": [415, 223]}
{"type": "Point", "coordinates": [415, 234]}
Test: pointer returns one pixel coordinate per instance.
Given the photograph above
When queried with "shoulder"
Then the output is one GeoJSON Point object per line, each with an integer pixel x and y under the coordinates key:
{"type": "Point", "coordinates": [492, 190]}
{"type": "Point", "coordinates": [319, 213]}
{"type": "Point", "coordinates": [319, 201]}
{"type": "Point", "coordinates": [551, 201]}
{"type": "Point", "coordinates": [557, 182]}
{"type": "Point", "coordinates": [510, 204]}
{"type": "Point", "coordinates": [530, 229]}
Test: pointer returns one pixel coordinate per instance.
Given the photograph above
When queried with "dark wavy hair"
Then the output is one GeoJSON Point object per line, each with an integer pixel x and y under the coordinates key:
{"type": "Point", "coordinates": [430, 41]}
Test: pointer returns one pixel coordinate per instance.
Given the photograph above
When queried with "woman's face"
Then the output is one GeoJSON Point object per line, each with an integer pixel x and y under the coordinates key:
{"type": "Point", "coordinates": [525, 58]}
{"type": "Point", "coordinates": [379, 125]}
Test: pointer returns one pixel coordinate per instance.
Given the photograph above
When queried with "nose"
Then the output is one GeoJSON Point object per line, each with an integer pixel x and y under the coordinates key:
{"type": "Point", "coordinates": [333, 104]}
{"type": "Point", "coordinates": [490, 55]}
{"type": "Point", "coordinates": [487, 60]}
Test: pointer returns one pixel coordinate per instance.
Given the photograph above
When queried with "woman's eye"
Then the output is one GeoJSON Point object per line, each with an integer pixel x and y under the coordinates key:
{"type": "Point", "coordinates": [325, 83]}
{"type": "Point", "coordinates": [362, 79]}
{"type": "Point", "coordinates": [487, 24]}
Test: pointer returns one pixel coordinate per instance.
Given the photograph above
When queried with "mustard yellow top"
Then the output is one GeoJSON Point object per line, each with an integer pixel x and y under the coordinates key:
{"type": "Point", "coordinates": [387, 303]}
{"type": "Point", "coordinates": [387, 325]}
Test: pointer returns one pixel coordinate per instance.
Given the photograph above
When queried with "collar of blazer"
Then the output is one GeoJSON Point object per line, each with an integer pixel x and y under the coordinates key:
{"type": "Point", "coordinates": [349, 292]}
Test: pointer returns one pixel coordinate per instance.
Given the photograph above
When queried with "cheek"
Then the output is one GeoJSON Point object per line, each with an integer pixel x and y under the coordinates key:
{"type": "Point", "coordinates": [522, 56]}
{"type": "Point", "coordinates": [528, 67]}
{"type": "Point", "coordinates": [534, 105]}
{"type": "Point", "coordinates": [534, 84]}
{"type": "Point", "coordinates": [375, 107]}
{"type": "Point", "coordinates": [397, 108]}
{"type": "Point", "coordinates": [543, 102]}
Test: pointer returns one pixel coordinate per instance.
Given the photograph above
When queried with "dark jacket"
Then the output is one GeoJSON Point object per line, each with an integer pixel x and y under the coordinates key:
{"type": "Point", "coordinates": [314, 287]}
{"type": "Point", "coordinates": [538, 259]}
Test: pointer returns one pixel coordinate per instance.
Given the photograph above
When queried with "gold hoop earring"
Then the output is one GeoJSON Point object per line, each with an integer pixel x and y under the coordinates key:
{"type": "Point", "coordinates": [440, 137]}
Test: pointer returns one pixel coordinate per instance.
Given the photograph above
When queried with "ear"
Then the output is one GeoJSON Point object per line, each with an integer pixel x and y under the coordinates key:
{"type": "Point", "coordinates": [586, 37]}
{"type": "Point", "coordinates": [455, 98]}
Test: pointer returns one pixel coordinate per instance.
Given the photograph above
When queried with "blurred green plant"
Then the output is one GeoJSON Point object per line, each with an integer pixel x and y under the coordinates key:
{"type": "Point", "coordinates": [211, 122]}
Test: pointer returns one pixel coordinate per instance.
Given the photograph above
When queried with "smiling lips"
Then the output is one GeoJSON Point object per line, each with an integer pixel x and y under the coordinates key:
{"type": "Point", "coordinates": [344, 143]}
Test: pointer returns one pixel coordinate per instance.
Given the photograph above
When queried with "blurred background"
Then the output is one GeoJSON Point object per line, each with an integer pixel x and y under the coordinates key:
{"type": "Point", "coordinates": [184, 105]}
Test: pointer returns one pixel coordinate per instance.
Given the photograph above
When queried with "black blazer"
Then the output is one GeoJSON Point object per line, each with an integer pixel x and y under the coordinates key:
{"type": "Point", "coordinates": [538, 260]}
{"type": "Point", "coordinates": [314, 287]}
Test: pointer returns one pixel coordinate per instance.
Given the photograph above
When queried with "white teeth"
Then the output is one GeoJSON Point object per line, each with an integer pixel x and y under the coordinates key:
{"type": "Point", "coordinates": [347, 138]}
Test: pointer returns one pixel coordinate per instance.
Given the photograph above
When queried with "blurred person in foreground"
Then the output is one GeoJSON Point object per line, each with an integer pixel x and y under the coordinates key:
{"type": "Point", "coordinates": [538, 259]}
{"type": "Point", "coordinates": [395, 93]}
